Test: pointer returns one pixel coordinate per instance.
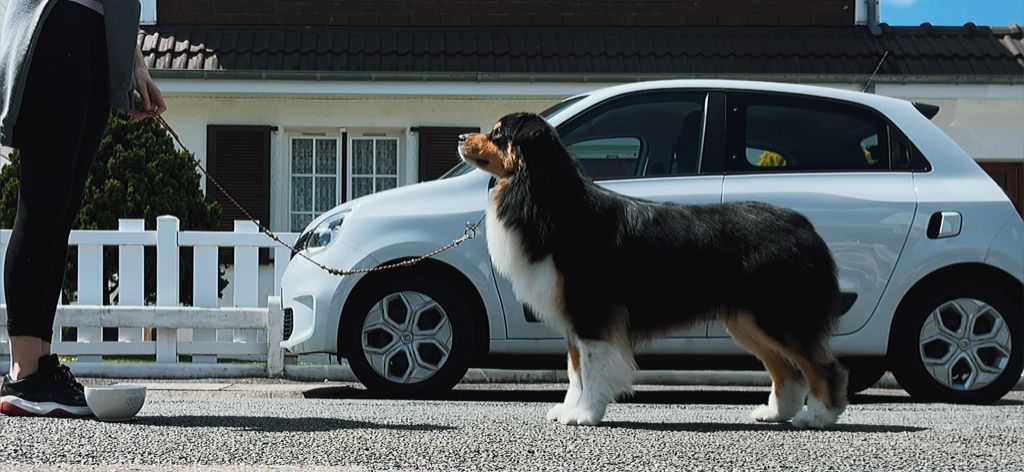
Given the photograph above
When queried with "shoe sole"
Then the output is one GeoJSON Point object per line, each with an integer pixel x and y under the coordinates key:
{"type": "Point", "coordinates": [14, 406]}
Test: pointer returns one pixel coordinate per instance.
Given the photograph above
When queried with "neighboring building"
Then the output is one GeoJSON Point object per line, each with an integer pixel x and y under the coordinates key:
{"type": "Point", "coordinates": [299, 110]}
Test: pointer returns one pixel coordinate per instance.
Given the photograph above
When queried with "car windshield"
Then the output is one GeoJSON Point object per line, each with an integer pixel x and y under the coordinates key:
{"type": "Point", "coordinates": [462, 168]}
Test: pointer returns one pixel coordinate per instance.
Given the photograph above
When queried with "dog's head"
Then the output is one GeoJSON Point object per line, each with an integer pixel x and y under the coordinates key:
{"type": "Point", "coordinates": [518, 142]}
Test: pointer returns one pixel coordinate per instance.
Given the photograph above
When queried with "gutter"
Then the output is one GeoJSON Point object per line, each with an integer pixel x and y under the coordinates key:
{"type": "Point", "coordinates": [570, 78]}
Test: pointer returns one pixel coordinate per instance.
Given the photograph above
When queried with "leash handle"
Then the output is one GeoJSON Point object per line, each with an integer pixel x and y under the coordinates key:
{"type": "Point", "coordinates": [470, 233]}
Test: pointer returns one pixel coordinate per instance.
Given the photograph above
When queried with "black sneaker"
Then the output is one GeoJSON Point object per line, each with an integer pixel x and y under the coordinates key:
{"type": "Point", "coordinates": [61, 373]}
{"type": "Point", "coordinates": [41, 394]}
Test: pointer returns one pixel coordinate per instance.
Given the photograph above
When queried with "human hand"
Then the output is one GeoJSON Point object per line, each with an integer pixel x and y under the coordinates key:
{"type": "Point", "coordinates": [152, 100]}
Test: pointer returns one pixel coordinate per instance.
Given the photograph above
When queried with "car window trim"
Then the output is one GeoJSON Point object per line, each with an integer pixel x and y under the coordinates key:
{"type": "Point", "coordinates": [736, 137]}
{"type": "Point", "coordinates": [693, 91]}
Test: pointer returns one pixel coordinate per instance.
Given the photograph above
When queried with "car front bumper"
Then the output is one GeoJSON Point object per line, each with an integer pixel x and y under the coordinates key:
{"type": "Point", "coordinates": [314, 299]}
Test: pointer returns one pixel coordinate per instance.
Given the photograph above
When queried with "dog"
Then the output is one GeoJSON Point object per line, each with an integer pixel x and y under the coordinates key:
{"type": "Point", "coordinates": [612, 271]}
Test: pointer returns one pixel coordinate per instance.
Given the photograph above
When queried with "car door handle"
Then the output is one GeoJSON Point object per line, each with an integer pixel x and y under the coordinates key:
{"type": "Point", "coordinates": [945, 224]}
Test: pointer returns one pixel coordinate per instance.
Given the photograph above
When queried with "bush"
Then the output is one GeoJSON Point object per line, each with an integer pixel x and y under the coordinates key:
{"type": "Point", "coordinates": [138, 173]}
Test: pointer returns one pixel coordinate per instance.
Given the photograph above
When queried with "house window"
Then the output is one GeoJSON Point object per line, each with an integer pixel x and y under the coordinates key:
{"type": "Point", "coordinates": [314, 178]}
{"type": "Point", "coordinates": [374, 165]}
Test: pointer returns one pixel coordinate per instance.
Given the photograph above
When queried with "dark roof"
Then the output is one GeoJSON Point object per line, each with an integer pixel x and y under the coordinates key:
{"type": "Point", "coordinates": [663, 51]}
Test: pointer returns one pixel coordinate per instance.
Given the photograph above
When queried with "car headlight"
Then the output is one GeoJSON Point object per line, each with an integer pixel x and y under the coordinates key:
{"type": "Point", "coordinates": [321, 234]}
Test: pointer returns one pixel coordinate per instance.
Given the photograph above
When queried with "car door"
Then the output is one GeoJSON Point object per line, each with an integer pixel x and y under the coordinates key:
{"type": "Point", "coordinates": [651, 145]}
{"type": "Point", "coordinates": [829, 160]}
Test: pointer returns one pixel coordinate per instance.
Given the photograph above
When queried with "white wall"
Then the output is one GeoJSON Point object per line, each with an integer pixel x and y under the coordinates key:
{"type": "Point", "coordinates": [987, 129]}
{"type": "Point", "coordinates": [293, 117]}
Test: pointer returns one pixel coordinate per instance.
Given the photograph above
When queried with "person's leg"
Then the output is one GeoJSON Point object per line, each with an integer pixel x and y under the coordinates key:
{"type": "Point", "coordinates": [96, 120]}
{"type": "Point", "coordinates": [48, 134]}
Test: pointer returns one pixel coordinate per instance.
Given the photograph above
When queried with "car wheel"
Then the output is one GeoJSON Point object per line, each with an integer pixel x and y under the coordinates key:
{"type": "Point", "coordinates": [960, 342]}
{"type": "Point", "coordinates": [408, 334]}
{"type": "Point", "coordinates": [863, 374]}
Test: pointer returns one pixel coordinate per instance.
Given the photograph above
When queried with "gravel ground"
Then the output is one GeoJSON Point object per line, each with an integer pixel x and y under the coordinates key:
{"type": "Point", "coordinates": [502, 427]}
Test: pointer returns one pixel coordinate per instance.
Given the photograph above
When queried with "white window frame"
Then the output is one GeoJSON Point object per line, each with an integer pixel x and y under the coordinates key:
{"type": "Point", "coordinates": [351, 158]}
{"type": "Point", "coordinates": [291, 175]}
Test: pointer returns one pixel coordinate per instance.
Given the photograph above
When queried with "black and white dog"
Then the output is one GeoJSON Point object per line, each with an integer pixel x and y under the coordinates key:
{"type": "Point", "coordinates": [612, 271]}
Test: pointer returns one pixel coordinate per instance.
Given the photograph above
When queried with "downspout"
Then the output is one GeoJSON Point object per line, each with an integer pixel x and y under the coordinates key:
{"type": "Point", "coordinates": [873, 20]}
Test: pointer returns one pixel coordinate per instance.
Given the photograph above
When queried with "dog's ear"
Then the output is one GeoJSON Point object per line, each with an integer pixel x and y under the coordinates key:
{"type": "Point", "coordinates": [538, 143]}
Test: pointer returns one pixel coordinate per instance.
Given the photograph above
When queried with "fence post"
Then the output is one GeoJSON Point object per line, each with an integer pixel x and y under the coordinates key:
{"type": "Point", "coordinates": [275, 334]}
{"type": "Point", "coordinates": [205, 280]}
{"type": "Point", "coordinates": [282, 256]}
{"type": "Point", "coordinates": [246, 279]}
{"type": "Point", "coordinates": [90, 292]}
{"type": "Point", "coordinates": [131, 275]}
{"type": "Point", "coordinates": [167, 294]}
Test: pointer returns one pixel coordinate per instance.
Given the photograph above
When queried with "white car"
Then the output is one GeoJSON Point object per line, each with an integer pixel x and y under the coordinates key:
{"type": "Point", "coordinates": [930, 250]}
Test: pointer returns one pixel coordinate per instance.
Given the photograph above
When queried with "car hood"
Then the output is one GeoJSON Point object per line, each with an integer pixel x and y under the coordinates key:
{"type": "Point", "coordinates": [465, 193]}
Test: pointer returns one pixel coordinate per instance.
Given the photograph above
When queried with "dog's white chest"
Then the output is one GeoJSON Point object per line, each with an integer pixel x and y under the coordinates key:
{"type": "Point", "coordinates": [537, 284]}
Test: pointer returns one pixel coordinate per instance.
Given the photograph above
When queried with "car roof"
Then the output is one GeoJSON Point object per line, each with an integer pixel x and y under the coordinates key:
{"type": "Point", "coordinates": [875, 101]}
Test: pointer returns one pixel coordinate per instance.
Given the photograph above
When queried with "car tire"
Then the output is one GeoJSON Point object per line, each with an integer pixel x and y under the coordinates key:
{"type": "Point", "coordinates": [958, 342]}
{"type": "Point", "coordinates": [410, 334]}
{"type": "Point", "coordinates": [863, 374]}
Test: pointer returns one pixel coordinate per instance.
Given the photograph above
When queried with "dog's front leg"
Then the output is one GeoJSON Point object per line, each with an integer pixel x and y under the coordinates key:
{"type": "Point", "coordinates": [572, 395]}
{"type": "Point", "coordinates": [606, 371]}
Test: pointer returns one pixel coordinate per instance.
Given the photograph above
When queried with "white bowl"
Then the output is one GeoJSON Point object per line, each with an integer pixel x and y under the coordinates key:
{"type": "Point", "coordinates": [117, 402]}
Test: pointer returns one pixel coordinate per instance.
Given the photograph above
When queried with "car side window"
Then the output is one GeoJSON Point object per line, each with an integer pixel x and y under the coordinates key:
{"type": "Point", "coordinates": [640, 135]}
{"type": "Point", "coordinates": [906, 156]}
{"type": "Point", "coordinates": [773, 133]}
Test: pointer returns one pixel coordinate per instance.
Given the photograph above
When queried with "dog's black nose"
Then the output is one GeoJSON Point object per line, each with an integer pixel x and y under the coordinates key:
{"type": "Point", "coordinates": [463, 138]}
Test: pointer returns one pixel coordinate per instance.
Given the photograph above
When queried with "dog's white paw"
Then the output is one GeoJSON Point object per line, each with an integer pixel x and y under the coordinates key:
{"type": "Point", "coordinates": [814, 419]}
{"type": "Point", "coordinates": [769, 414]}
{"type": "Point", "coordinates": [582, 416]}
{"type": "Point", "coordinates": [784, 402]}
{"type": "Point", "coordinates": [556, 411]}
{"type": "Point", "coordinates": [816, 415]}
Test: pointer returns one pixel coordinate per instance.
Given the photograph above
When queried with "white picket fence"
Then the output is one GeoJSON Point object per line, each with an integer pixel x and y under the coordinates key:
{"type": "Point", "coordinates": [245, 338]}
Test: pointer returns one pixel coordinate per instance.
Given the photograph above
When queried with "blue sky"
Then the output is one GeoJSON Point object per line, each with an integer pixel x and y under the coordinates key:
{"type": "Point", "coordinates": [952, 12]}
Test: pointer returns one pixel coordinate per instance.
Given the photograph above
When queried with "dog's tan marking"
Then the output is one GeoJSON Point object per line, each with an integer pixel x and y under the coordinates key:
{"type": "Point", "coordinates": [481, 152]}
{"type": "Point", "coordinates": [747, 334]}
{"type": "Point", "coordinates": [574, 357]}
{"type": "Point", "coordinates": [498, 191]}
{"type": "Point", "coordinates": [744, 329]}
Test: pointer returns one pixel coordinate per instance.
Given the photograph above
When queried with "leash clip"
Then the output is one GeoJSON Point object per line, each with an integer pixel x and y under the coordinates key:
{"type": "Point", "coordinates": [471, 229]}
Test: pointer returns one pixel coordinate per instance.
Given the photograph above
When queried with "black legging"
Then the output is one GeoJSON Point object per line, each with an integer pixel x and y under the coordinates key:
{"type": "Point", "coordinates": [63, 115]}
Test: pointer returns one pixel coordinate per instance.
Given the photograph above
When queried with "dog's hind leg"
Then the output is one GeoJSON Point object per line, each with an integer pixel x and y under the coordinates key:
{"type": "Point", "coordinates": [572, 395]}
{"type": "Point", "coordinates": [789, 388]}
{"type": "Point", "coordinates": [606, 372]}
{"type": "Point", "coordinates": [827, 379]}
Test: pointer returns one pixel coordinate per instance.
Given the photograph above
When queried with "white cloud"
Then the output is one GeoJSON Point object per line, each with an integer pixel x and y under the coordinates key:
{"type": "Point", "coordinates": [899, 3]}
